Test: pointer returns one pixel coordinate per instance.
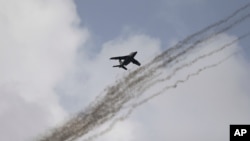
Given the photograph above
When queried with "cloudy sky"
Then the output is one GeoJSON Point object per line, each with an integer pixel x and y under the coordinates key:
{"type": "Point", "coordinates": [54, 57]}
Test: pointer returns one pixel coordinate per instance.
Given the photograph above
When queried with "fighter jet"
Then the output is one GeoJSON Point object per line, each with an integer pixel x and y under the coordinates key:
{"type": "Point", "coordinates": [125, 60]}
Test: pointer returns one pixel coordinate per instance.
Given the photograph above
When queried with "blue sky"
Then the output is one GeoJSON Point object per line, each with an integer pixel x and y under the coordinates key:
{"type": "Point", "coordinates": [166, 20]}
{"type": "Point", "coordinates": [54, 59]}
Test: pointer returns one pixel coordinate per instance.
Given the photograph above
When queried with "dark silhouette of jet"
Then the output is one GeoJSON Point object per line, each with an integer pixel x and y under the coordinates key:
{"type": "Point", "coordinates": [125, 60]}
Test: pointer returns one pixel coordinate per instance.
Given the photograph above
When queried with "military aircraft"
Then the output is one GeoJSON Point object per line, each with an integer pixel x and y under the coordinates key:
{"type": "Point", "coordinates": [125, 60]}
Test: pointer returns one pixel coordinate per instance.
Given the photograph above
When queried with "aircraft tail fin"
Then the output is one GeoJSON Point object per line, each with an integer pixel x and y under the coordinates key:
{"type": "Point", "coordinates": [120, 66]}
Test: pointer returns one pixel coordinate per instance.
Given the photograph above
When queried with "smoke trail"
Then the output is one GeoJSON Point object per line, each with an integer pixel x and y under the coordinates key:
{"type": "Point", "coordinates": [193, 61]}
{"type": "Point", "coordinates": [135, 105]}
{"type": "Point", "coordinates": [202, 40]}
{"type": "Point", "coordinates": [181, 54]}
{"type": "Point", "coordinates": [153, 83]}
{"type": "Point", "coordinates": [189, 40]}
{"type": "Point", "coordinates": [167, 78]}
{"type": "Point", "coordinates": [171, 59]}
{"type": "Point", "coordinates": [182, 81]}
{"type": "Point", "coordinates": [106, 107]}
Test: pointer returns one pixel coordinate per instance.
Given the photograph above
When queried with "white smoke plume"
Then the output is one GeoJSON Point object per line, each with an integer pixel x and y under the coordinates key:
{"type": "Point", "coordinates": [38, 43]}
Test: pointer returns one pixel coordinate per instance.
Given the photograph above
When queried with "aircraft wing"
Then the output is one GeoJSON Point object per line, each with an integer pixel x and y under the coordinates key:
{"type": "Point", "coordinates": [119, 57]}
{"type": "Point", "coordinates": [136, 62]}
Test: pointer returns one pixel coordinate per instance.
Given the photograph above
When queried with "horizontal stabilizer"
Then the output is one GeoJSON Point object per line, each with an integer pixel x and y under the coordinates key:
{"type": "Point", "coordinates": [120, 66]}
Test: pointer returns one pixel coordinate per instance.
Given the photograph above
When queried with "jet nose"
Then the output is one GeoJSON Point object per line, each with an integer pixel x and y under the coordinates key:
{"type": "Point", "coordinates": [135, 53]}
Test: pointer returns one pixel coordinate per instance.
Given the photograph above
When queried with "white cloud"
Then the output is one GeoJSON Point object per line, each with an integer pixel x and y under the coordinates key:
{"type": "Point", "coordinates": [38, 45]}
{"type": "Point", "coordinates": [123, 131]}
